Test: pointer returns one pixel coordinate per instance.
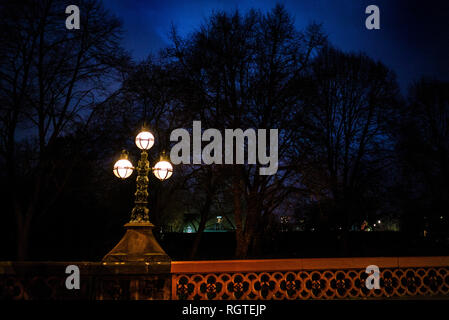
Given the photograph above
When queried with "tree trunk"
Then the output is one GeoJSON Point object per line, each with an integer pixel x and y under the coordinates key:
{"type": "Point", "coordinates": [23, 237]}
{"type": "Point", "coordinates": [251, 227]}
{"type": "Point", "coordinates": [198, 236]}
{"type": "Point", "coordinates": [241, 251]}
{"type": "Point", "coordinates": [204, 216]}
{"type": "Point", "coordinates": [22, 244]}
{"type": "Point", "coordinates": [241, 245]}
{"type": "Point", "coordinates": [210, 187]}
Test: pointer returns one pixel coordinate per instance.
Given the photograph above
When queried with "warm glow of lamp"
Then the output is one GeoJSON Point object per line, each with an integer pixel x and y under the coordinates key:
{"type": "Point", "coordinates": [145, 140]}
{"type": "Point", "coordinates": [163, 170]}
{"type": "Point", "coordinates": [123, 168]}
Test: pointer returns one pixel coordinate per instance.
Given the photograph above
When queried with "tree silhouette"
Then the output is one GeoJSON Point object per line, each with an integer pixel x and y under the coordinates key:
{"type": "Point", "coordinates": [423, 137]}
{"type": "Point", "coordinates": [51, 81]}
{"type": "Point", "coordinates": [244, 71]}
{"type": "Point", "coordinates": [349, 107]}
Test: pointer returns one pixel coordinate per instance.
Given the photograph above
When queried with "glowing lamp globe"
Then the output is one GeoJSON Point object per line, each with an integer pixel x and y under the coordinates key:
{"type": "Point", "coordinates": [123, 168]}
{"type": "Point", "coordinates": [144, 140]}
{"type": "Point", "coordinates": [163, 170]}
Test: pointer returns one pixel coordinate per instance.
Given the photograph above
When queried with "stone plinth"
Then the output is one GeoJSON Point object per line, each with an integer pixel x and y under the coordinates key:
{"type": "Point", "coordinates": [139, 245]}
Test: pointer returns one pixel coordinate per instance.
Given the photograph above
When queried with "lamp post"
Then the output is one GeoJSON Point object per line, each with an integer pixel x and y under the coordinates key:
{"type": "Point", "coordinates": [138, 244]}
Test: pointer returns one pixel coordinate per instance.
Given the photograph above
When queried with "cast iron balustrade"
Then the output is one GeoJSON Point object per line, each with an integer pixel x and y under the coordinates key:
{"type": "Point", "coordinates": [323, 278]}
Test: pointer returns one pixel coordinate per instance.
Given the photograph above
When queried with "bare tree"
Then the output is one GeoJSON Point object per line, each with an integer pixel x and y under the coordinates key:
{"type": "Point", "coordinates": [350, 103]}
{"type": "Point", "coordinates": [52, 79]}
{"type": "Point", "coordinates": [423, 153]}
{"type": "Point", "coordinates": [244, 71]}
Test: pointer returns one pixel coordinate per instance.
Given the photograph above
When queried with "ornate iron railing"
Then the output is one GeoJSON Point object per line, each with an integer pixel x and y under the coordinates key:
{"type": "Point", "coordinates": [339, 278]}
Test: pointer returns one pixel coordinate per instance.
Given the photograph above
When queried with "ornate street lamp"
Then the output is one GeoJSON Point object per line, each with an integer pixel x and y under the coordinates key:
{"type": "Point", "coordinates": [138, 243]}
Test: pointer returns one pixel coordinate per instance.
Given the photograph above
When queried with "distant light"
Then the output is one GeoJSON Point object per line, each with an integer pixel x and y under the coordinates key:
{"type": "Point", "coordinates": [378, 221]}
{"type": "Point", "coordinates": [284, 219]}
{"type": "Point", "coordinates": [441, 217]}
{"type": "Point", "coordinates": [189, 229]}
{"type": "Point", "coordinates": [374, 224]}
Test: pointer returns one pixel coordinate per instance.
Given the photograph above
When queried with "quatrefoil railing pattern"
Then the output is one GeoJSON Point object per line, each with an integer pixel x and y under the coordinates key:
{"type": "Point", "coordinates": [311, 284]}
{"type": "Point", "coordinates": [321, 278]}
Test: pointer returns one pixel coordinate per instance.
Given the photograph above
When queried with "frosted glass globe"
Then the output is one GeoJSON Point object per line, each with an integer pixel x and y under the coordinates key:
{"type": "Point", "coordinates": [163, 170]}
{"type": "Point", "coordinates": [144, 140]}
{"type": "Point", "coordinates": [123, 168]}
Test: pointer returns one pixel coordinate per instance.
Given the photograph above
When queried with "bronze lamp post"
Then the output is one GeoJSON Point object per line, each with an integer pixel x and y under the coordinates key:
{"type": "Point", "coordinates": [138, 244]}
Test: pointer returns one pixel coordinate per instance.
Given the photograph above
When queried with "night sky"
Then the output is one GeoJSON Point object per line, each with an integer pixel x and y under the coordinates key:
{"type": "Point", "coordinates": [413, 39]}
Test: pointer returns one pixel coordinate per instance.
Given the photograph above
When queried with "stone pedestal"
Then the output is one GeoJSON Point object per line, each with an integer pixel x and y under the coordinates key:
{"type": "Point", "coordinates": [139, 245]}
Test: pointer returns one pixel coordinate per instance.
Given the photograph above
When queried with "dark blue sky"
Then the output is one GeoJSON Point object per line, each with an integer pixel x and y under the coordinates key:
{"type": "Point", "coordinates": [413, 39]}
